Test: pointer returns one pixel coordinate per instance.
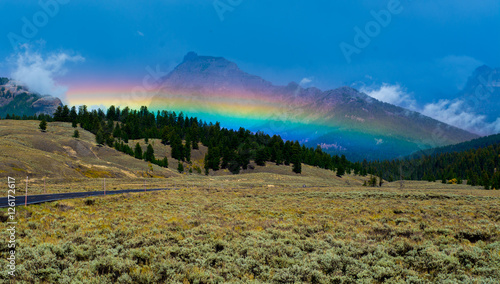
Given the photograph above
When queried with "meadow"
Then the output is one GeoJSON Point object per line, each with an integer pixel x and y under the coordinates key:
{"type": "Point", "coordinates": [252, 231]}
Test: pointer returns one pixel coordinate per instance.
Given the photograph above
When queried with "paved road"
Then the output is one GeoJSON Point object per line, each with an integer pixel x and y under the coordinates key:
{"type": "Point", "coordinates": [35, 199]}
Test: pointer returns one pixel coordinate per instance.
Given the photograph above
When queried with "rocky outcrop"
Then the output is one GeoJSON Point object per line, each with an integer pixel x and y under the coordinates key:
{"type": "Point", "coordinates": [17, 99]}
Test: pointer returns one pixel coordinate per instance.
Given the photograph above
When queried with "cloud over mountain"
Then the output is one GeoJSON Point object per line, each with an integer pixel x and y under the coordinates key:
{"type": "Point", "coordinates": [39, 72]}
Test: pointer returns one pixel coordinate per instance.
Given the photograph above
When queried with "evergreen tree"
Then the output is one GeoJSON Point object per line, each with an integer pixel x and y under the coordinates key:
{"type": "Point", "coordinates": [432, 178]}
{"type": "Point", "coordinates": [486, 180]}
{"type": "Point", "coordinates": [111, 113]}
{"type": "Point", "coordinates": [296, 158]}
{"type": "Point", "coordinates": [99, 137]}
{"type": "Point", "coordinates": [117, 132]}
{"type": "Point", "coordinates": [287, 153]}
{"type": "Point", "coordinates": [43, 125]}
{"type": "Point", "coordinates": [124, 136]}
{"type": "Point", "coordinates": [165, 135]}
{"type": "Point", "coordinates": [58, 114]}
{"type": "Point", "coordinates": [73, 116]}
{"type": "Point", "coordinates": [261, 157]}
{"type": "Point", "coordinates": [495, 184]}
{"type": "Point", "coordinates": [214, 161]}
{"type": "Point", "coordinates": [244, 156]}
{"type": "Point", "coordinates": [279, 155]}
{"type": "Point", "coordinates": [150, 154]}
{"type": "Point", "coordinates": [138, 151]}
{"type": "Point", "coordinates": [180, 168]}
{"type": "Point", "coordinates": [109, 139]}
{"type": "Point", "coordinates": [187, 150]}
{"type": "Point", "coordinates": [76, 134]}
{"type": "Point", "coordinates": [177, 149]}
{"type": "Point", "coordinates": [165, 162]}
{"type": "Point", "coordinates": [226, 157]}
{"type": "Point", "coordinates": [340, 171]}
{"type": "Point", "coordinates": [234, 167]}
{"type": "Point", "coordinates": [65, 114]}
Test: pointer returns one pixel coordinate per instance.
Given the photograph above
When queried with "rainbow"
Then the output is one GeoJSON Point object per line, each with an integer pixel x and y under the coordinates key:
{"type": "Point", "coordinates": [270, 114]}
{"type": "Point", "coordinates": [233, 106]}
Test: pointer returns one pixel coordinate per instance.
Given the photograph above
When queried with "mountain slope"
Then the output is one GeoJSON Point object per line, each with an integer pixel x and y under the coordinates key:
{"type": "Point", "coordinates": [475, 144]}
{"type": "Point", "coordinates": [343, 121]}
{"type": "Point", "coordinates": [17, 99]}
{"type": "Point", "coordinates": [482, 90]}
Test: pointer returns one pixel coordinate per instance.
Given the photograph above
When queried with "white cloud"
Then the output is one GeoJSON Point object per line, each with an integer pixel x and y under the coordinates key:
{"type": "Point", "coordinates": [455, 113]}
{"type": "Point", "coordinates": [452, 112]}
{"type": "Point", "coordinates": [39, 72]}
{"type": "Point", "coordinates": [392, 94]}
{"type": "Point", "coordinates": [140, 33]}
{"type": "Point", "coordinates": [305, 81]}
{"type": "Point", "coordinates": [496, 126]}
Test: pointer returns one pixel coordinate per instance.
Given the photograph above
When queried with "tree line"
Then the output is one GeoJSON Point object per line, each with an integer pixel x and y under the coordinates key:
{"type": "Point", "coordinates": [475, 167]}
{"type": "Point", "coordinates": [227, 148]}
{"type": "Point", "coordinates": [234, 149]}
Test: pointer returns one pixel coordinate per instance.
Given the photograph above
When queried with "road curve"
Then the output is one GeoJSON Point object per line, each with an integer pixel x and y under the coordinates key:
{"type": "Point", "coordinates": [42, 198]}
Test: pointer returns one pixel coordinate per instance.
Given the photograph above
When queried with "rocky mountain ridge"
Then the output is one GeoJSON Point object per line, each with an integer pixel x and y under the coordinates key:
{"type": "Point", "coordinates": [17, 99]}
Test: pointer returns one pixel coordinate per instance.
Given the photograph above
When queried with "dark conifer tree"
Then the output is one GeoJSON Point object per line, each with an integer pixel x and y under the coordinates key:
{"type": "Point", "coordinates": [99, 137]}
{"type": "Point", "coordinates": [187, 150]}
{"type": "Point", "coordinates": [150, 154]}
{"type": "Point", "coordinates": [261, 156]}
{"type": "Point", "coordinates": [43, 125]}
{"type": "Point", "coordinates": [296, 158]}
{"type": "Point", "coordinates": [138, 151]}
{"type": "Point", "coordinates": [180, 168]}
{"type": "Point", "coordinates": [340, 171]}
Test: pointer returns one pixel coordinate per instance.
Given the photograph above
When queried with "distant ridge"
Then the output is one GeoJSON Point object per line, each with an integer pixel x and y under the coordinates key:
{"type": "Point", "coordinates": [360, 126]}
{"type": "Point", "coordinates": [474, 144]}
{"type": "Point", "coordinates": [481, 93]}
{"type": "Point", "coordinates": [16, 99]}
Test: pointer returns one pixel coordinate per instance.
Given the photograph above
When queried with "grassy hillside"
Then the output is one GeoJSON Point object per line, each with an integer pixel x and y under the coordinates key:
{"type": "Point", "coordinates": [25, 150]}
{"type": "Point", "coordinates": [63, 160]}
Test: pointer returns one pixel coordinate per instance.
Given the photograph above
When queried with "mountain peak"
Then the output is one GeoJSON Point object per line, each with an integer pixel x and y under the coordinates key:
{"type": "Point", "coordinates": [484, 69]}
{"type": "Point", "coordinates": [205, 64]}
{"type": "Point", "coordinates": [190, 56]}
{"type": "Point", "coordinates": [211, 73]}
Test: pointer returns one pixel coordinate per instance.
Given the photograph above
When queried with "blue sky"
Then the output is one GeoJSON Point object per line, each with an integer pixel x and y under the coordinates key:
{"type": "Point", "coordinates": [427, 49]}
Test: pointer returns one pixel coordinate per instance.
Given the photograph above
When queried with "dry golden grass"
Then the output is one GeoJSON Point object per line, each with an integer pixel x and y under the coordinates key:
{"type": "Point", "coordinates": [232, 232]}
{"type": "Point", "coordinates": [265, 225]}
{"type": "Point", "coordinates": [26, 151]}
{"type": "Point", "coordinates": [311, 177]}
